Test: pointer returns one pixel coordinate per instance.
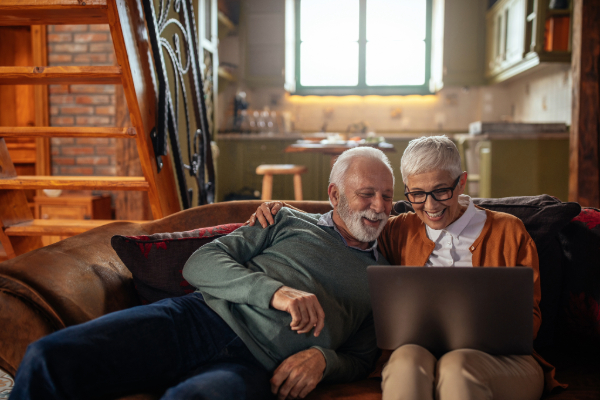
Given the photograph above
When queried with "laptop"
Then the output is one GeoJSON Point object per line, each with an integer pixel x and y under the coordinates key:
{"type": "Point", "coordinates": [449, 308]}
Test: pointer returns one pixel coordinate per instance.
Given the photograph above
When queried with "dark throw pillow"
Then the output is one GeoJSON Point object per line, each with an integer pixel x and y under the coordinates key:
{"type": "Point", "coordinates": [156, 261]}
{"type": "Point", "coordinates": [581, 302]}
{"type": "Point", "coordinates": [543, 216]}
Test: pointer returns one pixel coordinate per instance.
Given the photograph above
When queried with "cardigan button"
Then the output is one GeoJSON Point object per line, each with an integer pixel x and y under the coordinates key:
{"type": "Point", "coordinates": [472, 248]}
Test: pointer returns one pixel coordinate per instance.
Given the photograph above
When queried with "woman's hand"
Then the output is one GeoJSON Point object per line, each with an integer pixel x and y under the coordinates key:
{"type": "Point", "coordinates": [264, 213]}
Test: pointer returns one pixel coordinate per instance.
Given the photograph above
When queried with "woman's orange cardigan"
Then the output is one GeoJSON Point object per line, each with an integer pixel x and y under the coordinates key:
{"type": "Point", "coordinates": [503, 242]}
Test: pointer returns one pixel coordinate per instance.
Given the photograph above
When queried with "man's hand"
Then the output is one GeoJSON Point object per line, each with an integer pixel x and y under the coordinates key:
{"type": "Point", "coordinates": [305, 309]}
{"type": "Point", "coordinates": [298, 375]}
{"type": "Point", "coordinates": [264, 213]}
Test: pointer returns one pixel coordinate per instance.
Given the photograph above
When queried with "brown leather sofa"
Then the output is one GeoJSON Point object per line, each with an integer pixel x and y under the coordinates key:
{"type": "Point", "coordinates": [82, 278]}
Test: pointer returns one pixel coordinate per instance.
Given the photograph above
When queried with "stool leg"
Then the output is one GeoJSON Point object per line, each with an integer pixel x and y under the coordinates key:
{"type": "Point", "coordinates": [297, 186]}
{"type": "Point", "coordinates": [267, 188]}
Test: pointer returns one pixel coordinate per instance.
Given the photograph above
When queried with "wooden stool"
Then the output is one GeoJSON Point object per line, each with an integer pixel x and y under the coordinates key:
{"type": "Point", "coordinates": [268, 170]}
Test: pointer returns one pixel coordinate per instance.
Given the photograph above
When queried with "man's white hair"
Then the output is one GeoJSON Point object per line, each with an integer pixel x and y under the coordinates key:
{"type": "Point", "coordinates": [343, 162]}
{"type": "Point", "coordinates": [430, 153]}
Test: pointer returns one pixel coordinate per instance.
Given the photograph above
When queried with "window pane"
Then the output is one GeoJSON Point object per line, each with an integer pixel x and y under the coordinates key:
{"type": "Point", "coordinates": [329, 63]}
{"type": "Point", "coordinates": [395, 63]}
{"type": "Point", "coordinates": [396, 19]}
{"type": "Point", "coordinates": [329, 20]}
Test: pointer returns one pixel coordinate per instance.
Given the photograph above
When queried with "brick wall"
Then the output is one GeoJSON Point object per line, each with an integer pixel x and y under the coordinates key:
{"type": "Point", "coordinates": [82, 105]}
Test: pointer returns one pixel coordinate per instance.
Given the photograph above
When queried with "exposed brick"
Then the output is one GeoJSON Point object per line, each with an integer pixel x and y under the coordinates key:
{"type": "Point", "coordinates": [76, 170]}
{"type": "Point", "coordinates": [63, 160]}
{"type": "Point", "coordinates": [61, 141]}
{"type": "Point", "coordinates": [106, 171]}
{"type": "Point", "coordinates": [61, 99]}
{"type": "Point", "coordinates": [95, 141]}
{"type": "Point", "coordinates": [101, 47]}
{"type": "Point", "coordinates": [54, 151]}
{"type": "Point", "coordinates": [55, 170]}
{"type": "Point", "coordinates": [91, 58]}
{"type": "Point", "coordinates": [102, 150]}
{"type": "Point", "coordinates": [69, 48]}
{"type": "Point", "coordinates": [56, 89]}
{"type": "Point", "coordinates": [53, 110]}
{"type": "Point", "coordinates": [76, 150]}
{"type": "Point", "coordinates": [108, 110]}
{"type": "Point", "coordinates": [99, 28]}
{"type": "Point", "coordinates": [92, 89]}
{"type": "Point", "coordinates": [61, 121]}
{"type": "Point", "coordinates": [97, 99]}
{"type": "Point", "coordinates": [90, 37]}
{"type": "Point", "coordinates": [68, 28]}
{"type": "Point", "coordinates": [92, 160]}
{"type": "Point", "coordinates": [76, 110]}
{"type": "Point", "coordinates": [83, 121]}
{"type": "Point", "coordinates": [60, 58]}
{"type": "Point", "coordinates": [59, 37]}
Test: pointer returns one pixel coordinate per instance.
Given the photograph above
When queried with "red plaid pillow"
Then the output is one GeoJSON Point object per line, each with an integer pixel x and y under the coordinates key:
{"type": "Point", "coordinates": [156, 261]}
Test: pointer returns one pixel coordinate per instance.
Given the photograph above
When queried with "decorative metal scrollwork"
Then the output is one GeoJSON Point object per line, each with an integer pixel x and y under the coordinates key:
{"type": "Point", "coordinates": [176, 18]}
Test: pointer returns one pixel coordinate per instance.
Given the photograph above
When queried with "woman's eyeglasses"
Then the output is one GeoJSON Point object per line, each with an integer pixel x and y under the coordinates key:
{"type": "Point", "coordinates": [442, 194]}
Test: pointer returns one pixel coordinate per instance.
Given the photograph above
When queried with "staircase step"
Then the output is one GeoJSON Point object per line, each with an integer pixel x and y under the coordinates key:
{"type": "Point", "coordinates": [53, 12]}
{"type": "Point", "coordinates": [56, 227]}
{"type": "Point", "coordinates": [55, 131]}
{"type": "Point", "coordinates": [76, 182]}
{"type": "Point", "coordinates": [60, 75]}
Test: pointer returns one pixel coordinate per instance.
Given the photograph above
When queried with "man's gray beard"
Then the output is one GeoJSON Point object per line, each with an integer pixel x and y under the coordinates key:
{"type": "Point", "coordinates": [354, 223]}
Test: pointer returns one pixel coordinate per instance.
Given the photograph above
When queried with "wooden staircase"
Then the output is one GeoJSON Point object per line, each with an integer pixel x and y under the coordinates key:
{"type": "Point", "coordinates": [20, 231]}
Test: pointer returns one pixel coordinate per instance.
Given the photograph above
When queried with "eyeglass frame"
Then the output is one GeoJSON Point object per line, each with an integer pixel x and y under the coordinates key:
{"type": "Point", "coordinates": [451, 189]}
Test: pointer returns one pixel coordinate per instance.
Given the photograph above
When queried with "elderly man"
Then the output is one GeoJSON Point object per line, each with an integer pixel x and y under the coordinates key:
{"type": "Point", "coordinates": [287, 305]}
{"type": "Point", "coordinates": [448, 230]}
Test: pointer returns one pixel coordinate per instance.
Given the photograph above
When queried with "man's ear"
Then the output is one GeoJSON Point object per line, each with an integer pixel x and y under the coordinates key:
{"type": "Point", "coordinates": [334, 194]}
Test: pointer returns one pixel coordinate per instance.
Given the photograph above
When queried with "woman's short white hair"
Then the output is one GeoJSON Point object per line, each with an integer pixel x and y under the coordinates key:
{"type": "Point", "coordinates": [341, 165]}
{"type": "Point", "coordinates": [430, 153]}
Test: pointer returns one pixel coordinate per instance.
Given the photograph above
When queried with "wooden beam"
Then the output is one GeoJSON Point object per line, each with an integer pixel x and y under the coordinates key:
{"type": "Point", "coordinates": [39, 47]}
{"type": "Point", "coordinates": [59, 75]}
{"type": "Point", "coordinates": [584, 161]}
{"type": "Point", "coordinates": [134, 54]}
{"type": "Point", "coordinates": [52, 12]}
{"type": "Point", "coordinates": [55, 227]}
{"type": "Point", "coordinates": [75, 182]}
{"type": "Point", "coordinates": [77, 131]}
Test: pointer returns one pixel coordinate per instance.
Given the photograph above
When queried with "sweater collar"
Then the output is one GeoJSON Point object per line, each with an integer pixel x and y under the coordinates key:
{"type": "Point", "coordinates": [327, 220]}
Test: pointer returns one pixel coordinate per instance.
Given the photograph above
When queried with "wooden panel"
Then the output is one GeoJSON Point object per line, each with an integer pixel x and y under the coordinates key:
{"type": "Point", "coordinates": [14, 209]}
{"type": "Point", "coordinates": [128, 205]}
{"type": "Point", "coordinates": [584, 180]}
{"type": "Point", "coordinates": [52, 12]}
{"type": "Point", "coordinates": [75, 182]}
{"type": "Point", "coordinates": [52, 131]}
{"type": "Point", "coordinates": [130, 37]}
{"type": "Point", "coordinates": [59, 75]}
{"type": "Point", "coordinates": [56, 211]}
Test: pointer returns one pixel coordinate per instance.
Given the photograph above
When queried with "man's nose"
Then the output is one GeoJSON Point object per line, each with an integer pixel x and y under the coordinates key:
{"type": "Point", "coordinates": [378, 203]}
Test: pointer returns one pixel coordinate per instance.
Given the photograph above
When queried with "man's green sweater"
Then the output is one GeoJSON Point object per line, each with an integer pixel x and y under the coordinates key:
{"type": "Point", "coordinates": [239, 273]}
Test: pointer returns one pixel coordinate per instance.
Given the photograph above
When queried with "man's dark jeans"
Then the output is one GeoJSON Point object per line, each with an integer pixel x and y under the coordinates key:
{"type": "Point", "coordinates": [178, 343]}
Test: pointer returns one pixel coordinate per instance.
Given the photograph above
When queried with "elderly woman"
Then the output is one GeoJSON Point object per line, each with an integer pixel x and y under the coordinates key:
{"type": "Point", "coordinates": [448, 230]}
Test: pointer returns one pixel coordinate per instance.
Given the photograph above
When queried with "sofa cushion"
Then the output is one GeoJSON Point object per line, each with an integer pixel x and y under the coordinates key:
{"type": "Point", "coordinates": [543, 216]}
{"type": "Point", "coordinates": [580, 241]}
{"type": "Point", "coordinates": [156, 261]}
